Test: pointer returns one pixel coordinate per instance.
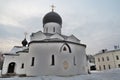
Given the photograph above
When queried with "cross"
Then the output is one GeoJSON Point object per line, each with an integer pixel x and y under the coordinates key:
{"type": "Point", "coordinates": [52, 6]}
{"type": "Point", "coordinates": [25, 34]}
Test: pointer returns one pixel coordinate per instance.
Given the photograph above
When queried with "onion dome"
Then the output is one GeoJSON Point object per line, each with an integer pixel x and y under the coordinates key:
{"type": "Point", "coordinates": [52, 17]}
{"type": "Point", "coordinates": [24, 42]}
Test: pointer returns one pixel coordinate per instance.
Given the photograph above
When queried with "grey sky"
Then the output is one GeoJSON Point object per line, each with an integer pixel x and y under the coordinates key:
{"type": "Point", "coordinates": [95, 22]}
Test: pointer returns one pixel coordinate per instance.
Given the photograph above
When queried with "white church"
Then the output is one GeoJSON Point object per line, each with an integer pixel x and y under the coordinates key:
{"type": "Point", "coordinates": [49, 52]}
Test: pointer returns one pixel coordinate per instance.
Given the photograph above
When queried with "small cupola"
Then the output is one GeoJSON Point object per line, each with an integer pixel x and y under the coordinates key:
{"type": "Point", "coordinates": [52, 17]}
{"type": "Point", "coordinates": [25, 42]}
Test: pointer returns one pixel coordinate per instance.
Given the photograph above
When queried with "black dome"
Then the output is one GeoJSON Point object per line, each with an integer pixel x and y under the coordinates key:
{"type": "Point", "coordinates": [52, 17]}
{"type": "Point", "coordinates": [24, 42]}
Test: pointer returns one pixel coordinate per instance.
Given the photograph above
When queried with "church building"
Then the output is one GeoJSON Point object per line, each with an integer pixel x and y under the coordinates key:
{"type": "Point", "coordinates": [49, 52]}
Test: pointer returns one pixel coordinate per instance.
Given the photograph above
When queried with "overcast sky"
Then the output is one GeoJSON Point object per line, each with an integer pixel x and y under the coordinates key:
{"type": "Point", "coordinates": [95, 22]}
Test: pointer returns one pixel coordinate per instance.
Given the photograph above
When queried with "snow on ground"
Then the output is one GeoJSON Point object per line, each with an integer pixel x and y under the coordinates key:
{"type": "Point", "coordinates": [113, 74]}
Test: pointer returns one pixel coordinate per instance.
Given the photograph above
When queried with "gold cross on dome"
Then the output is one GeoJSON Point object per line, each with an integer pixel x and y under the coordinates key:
{"type": "Point", "coordinates": [52, 6]}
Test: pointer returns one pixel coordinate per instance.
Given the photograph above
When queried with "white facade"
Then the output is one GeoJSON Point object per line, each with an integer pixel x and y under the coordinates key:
{"type": "Point", "coordinates": [18, 61]}
{"type": "Point", "coordinates": [48, 53]}
{"type": "Point", "coordinates": [66, 62]}
{"type": "Point", "coordinates": [107, 60]}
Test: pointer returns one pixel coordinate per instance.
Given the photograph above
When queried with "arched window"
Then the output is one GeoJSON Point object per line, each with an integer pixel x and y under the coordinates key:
{"type": "Point", "coordinates": [118, 65]}
{"type": "Point", "coordinates": [46, 30]}
{"type": "Point", "coordinates": [100, 68]}
{"type": "Point", "coordinates": [104, 67]}
{"type": "Point", "coordinates": [117, 57]}
{"type": "Point", "coordinates": [53, 60]}
{"type": "Point", "coordinates": [109, 66]}
{"type": "Point", "coordinates": [33, 59]}
{"type": "Point", "coordinates": [107, 58]}
{"type": "Point", "coordinates": [65, 48]}
{"type": "Point", "coordinates": [22, 66]}
{"type": "Point", "coordinates": [102, 58]}
{"type": "Point", "coordinates": [98, 59]}
{"type": "Point", "coordinates": [74, 61]}
{"type": "Point", "coordinates": [53, 29]}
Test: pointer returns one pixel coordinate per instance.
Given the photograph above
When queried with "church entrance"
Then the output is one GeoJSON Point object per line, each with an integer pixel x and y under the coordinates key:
{"type": "Point", "coordinates": [11, 67]}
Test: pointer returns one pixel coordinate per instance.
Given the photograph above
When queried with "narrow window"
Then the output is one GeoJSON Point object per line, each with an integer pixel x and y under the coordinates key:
{"type": "Point", "coordinates": [33, 59]}
{"type": "Point", "coordinates": [117, 58]}
{"type": "Point", "coordinates": [74, 61]}
{"type": "Point", "coordinates": [46, 30]}
{"type": "Point", "coordinates": [118, 65]}
{"type": "Point", "coordinates": [102, 58]}
{"type": "Point", "coordinates": [107, 58]}
{"type": "Point", "coordinates": [65, 47]}
{"type": "Point", "coordinates": [53, 60]}
{"type": "Point", "coordinates": [100, 68]}
{"type": "Point", "coordinates": [22, 66]}
{"type": "Point", "coordinates": [109, 67]}
{"type": "Point", "coordinates": [53, 29]}
{"type": "Point", "coordinates": [98, 59]}
{"type": "Point", "coordinates": [104, 67]}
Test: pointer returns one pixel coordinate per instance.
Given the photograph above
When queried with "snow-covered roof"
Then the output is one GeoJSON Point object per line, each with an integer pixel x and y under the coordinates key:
{"type": "Point", "coordinates": [16, 49]}
{"type": "Point", "coordinates": [24, 51]}
{"type": "Point", "coordinates": [107, 52]}
{"type": "Point", "coordinates": [43, 36]}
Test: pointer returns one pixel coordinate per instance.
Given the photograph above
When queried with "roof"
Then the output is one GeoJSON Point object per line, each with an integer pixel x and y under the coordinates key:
{"type": "Point", "coordinates": [106, 52]}
{"type": "Point", "coordinates": [55, 41]}
{"type": "Point", "coordinates": [16, 49]}
{"type": "Point", "coordinates": [52, 17]}
{"type": "Point", "coordinates": [8, 54]}
{"type": "Point", "coordinates": [24, 51]}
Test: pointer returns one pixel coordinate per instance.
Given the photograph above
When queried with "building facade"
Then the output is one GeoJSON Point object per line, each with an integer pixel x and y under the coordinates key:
{"type": "Point", "coordinates": [107, 60]}
{"type": "Point", "coordinates": [48, 52]}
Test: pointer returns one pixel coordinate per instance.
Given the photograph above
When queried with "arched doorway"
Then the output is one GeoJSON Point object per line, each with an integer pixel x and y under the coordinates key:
{"type": "Point", "coordinates": [11, 67]}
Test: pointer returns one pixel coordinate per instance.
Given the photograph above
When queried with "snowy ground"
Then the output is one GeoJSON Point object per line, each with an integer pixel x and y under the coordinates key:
{"type": "Point", "coordinates": [113, 74]}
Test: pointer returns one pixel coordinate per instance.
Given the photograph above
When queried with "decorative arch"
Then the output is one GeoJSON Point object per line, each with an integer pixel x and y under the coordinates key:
{"type": "Point", "coordinates": [53, 29]}
{"type": "Point", "coordinates": [11, 67]}
{"type": "Point", "coordinates": [65, 47]}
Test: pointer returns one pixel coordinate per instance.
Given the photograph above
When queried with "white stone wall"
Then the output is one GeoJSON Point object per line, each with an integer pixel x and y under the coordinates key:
{"type": "Point", "coordinates": [8, 59]}
{"type": "Point", "coordinates": [43, 52]}
{"type": "Point", "coordinates": [18, 60]}
{"type": "Point", "coordinates": [23, 58]}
